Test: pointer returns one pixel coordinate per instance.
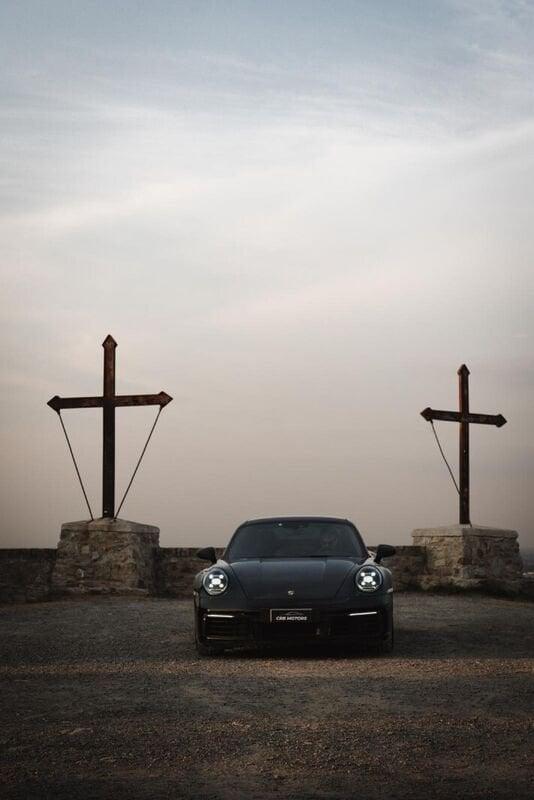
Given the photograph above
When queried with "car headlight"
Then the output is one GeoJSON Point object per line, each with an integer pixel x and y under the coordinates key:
{"type": "Point", "coordinates": [215, 581]}
{"type": "Point", "coordinates": [368, 579]}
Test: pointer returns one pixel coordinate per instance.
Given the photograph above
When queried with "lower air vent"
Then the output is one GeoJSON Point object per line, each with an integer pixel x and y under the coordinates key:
{"type": "Point", "coordinates": [226, 627]}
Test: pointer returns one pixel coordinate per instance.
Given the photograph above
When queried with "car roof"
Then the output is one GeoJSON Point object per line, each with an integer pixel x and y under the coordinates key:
{"type": "Point", "coordinates": [295, 519]}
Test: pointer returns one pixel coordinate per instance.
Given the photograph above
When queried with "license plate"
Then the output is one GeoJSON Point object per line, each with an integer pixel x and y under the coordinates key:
{"type": "Point", "coordinates": [291, 615]}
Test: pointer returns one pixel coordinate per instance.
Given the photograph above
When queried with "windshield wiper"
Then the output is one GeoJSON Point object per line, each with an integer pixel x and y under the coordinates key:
{"type": "Point", "coordinates": [329, 555]}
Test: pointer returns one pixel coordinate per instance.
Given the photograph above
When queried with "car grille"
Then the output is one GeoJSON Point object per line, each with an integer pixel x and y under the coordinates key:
{"type": "Point", "coordinates": [335, 624]}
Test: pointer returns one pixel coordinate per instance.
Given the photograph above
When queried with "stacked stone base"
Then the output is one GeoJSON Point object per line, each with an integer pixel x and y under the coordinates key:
{"type": "Point", "coordinates": [465, 557]}
{"type": "Point", "coordinates": [106, 556]}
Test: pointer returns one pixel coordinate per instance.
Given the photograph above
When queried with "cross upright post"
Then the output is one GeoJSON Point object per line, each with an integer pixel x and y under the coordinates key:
{"type": "Point", "coordinates": [109, 401]}
{"type": "Point", "coordinates": [465, 418]}
{"type": "Point", "coordinates": [465, 515]}
{"type": "Point", "coordinates": [108, 448]}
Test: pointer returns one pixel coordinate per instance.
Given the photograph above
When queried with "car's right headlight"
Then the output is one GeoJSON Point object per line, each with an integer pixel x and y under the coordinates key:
{"type": "Point", "coordinates": [368, 579]}
{"type": "Point", "coordinates": [215, 581]}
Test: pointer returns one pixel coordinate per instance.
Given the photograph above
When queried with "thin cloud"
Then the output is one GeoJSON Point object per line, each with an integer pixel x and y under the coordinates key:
{"type": "Point", "coordinates": [304, 221]}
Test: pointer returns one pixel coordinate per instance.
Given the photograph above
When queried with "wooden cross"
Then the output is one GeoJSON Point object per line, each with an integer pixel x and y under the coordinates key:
{"type": "Point", "coordinates": [465, 418]}
{"type": "Point", "coordinates": [109, 402]}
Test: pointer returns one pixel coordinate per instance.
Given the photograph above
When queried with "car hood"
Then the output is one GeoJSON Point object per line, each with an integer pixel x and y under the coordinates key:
{"type": "Point", "coordinates": [309, 578]}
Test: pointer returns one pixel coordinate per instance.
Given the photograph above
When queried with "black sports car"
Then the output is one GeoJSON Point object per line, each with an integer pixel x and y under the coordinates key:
{"type": "Point", "coordinates": [289, 579]}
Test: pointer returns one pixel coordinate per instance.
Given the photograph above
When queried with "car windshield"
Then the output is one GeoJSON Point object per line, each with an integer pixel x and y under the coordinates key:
{"type": "Point", "coordinates": [295, 539]}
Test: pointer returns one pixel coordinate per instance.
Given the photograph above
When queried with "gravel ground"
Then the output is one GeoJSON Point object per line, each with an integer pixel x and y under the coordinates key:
{"type": "Point", "coordinates": [106, 698]}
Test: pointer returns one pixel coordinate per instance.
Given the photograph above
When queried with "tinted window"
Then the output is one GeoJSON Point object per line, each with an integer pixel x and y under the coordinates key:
{"type": "Point", "coordinates": [302, 539]}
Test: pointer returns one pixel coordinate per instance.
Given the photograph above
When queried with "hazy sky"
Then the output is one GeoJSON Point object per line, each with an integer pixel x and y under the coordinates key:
{"type": "Point", "coordinates": [297, 218]}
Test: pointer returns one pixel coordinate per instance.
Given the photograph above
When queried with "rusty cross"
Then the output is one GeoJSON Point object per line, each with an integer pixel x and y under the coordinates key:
{"type": "Point", "coordinates": [109, 402]}
{"type": "Point", "coordinates": [465, 418]}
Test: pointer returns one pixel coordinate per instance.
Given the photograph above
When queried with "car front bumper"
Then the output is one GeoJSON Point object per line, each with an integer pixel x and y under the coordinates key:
{"type": "Point", "coordinates": [369, 623]}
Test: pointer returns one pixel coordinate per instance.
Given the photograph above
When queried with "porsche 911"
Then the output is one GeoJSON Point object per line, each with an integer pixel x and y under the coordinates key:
{"type": "Point", "coordinates": [291, 580]}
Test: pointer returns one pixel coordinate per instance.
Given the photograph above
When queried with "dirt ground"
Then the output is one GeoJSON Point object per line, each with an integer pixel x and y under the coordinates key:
{"type": "Point", "coordinates": [106, 698]}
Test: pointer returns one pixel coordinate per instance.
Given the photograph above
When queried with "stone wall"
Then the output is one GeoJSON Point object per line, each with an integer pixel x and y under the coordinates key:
{"type": "Point", "coordinates": [175, 569]}
{"type": "Point", "coordinates": [407, 566]}
{"type": "Point", "coordinates": [25, 574]}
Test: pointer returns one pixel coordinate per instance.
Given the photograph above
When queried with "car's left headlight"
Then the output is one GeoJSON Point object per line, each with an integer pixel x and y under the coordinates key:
{"type": "Point", "coordinates": [215, 581]}
{"type": "Point", "coordinates": [368, 579]}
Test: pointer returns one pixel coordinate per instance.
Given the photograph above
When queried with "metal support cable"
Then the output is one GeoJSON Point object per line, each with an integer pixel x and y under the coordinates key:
{"type": "Point", "coordinates": [443, 455]}
{"type": "Point", "coordinates": [75, 464]}
{"type": "Point", "coordinates": [139, 462]}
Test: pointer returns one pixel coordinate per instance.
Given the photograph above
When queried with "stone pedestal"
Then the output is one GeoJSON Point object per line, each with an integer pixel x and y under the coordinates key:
{"type": "Point", "coordinates": [465, 557]}
{"type": "Point", "coordinates": [105, 556]}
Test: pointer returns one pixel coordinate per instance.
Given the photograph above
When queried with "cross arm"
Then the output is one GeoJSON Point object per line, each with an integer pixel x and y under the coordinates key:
{"type": "Point", "coordinates": [161, 399]}
{"type": "Point", "coordinates": [455, 416]}
{"type": "Point", "coordinates": [58, 403]}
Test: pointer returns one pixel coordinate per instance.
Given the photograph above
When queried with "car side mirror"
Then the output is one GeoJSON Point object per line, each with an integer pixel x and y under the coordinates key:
{"type": "Point", "coordinates": [207, 554]}
{"type": "Point", "coordinates": [384, 551]}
